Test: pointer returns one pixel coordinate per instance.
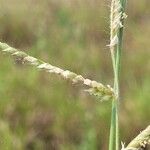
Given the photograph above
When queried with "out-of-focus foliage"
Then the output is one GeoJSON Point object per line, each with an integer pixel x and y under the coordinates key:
{"type": "Point", "coordinates": [39, 111]}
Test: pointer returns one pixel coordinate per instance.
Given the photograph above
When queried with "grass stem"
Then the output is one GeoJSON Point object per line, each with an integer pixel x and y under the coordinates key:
{"type": "Point", "coordinates": [117, 18]}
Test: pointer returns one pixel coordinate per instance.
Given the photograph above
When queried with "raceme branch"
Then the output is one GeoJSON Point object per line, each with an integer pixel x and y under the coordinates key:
{"type": "Point", "coordinates": [140, 142]}
{"type": "Point", "coordinates": [94, 88]}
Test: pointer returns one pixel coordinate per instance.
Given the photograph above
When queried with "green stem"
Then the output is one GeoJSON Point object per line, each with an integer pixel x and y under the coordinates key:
{"type": "Point", "coordinates": [116, 82]}
{"type": "Point", "coordinates": [113, 127]}
{"type": "Point", "coordinates": [116, 60]}
{"type": "Point", "coordinates": [117, 74]}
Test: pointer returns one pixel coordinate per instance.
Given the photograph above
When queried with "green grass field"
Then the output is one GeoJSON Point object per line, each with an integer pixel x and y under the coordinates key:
{"type": "Point", "coordinates": [39, 111]}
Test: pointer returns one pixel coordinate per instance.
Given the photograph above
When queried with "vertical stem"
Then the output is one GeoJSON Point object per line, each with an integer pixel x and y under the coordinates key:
{"type": "Point", "coordinates": [113, 127]}
{"type": "Point", "coordinates": [117, 74]}
{"type": "Point", "coordinates": [116, 60]}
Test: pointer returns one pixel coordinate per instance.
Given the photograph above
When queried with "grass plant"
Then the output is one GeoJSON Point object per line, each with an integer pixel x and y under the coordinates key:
{"type": "Point", "coordinates": [116, 33]}
{"type": "Point", "coordinates": [95, 88]}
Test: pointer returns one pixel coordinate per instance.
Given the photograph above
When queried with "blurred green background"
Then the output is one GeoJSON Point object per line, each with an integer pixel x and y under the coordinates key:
{"type": "Point", "coordinates": [39, 111]}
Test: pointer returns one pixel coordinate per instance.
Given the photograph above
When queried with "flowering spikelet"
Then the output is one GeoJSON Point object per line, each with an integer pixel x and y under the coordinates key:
{"type": "Point", "coordinates": [140, 142]}
{"type": "Point", "coordinates": [95, 88]}
{"type": "Point", "coordinates": [116, 18]}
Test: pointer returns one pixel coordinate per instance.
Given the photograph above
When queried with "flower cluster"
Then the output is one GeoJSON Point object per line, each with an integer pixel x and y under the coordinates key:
{"type": "Point", "coordinates": [116, 19]}
{"type": "Point", "coordinates": [140, 142]}
{"type": "Point", "coordinates": [95, 88]}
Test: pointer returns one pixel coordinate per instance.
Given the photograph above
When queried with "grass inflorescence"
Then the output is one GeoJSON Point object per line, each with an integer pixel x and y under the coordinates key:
{"type": "Point", "coordinates": [95, 88]}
